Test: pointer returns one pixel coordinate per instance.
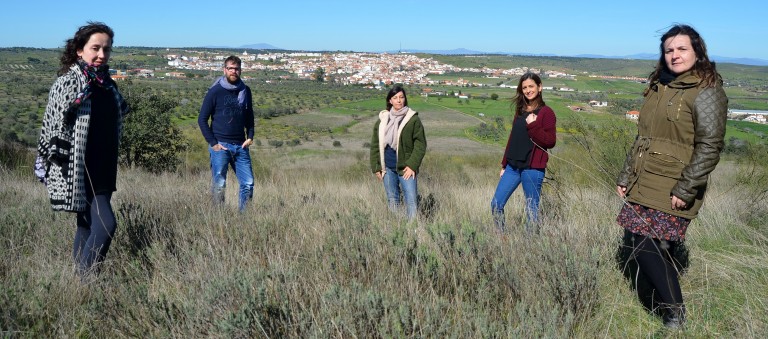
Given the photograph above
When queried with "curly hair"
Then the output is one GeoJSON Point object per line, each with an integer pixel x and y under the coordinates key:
{"type": "Point", "coordinates": [703, 67]}
{"type": "Point", "coordinates": [77, 43]}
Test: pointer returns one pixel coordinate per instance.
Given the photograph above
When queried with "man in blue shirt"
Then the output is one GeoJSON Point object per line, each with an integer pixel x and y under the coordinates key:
{"type": "Point", "coordinates": [229, 107]}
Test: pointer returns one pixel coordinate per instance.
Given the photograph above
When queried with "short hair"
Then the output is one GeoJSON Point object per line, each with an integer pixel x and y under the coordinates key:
{"type": "Point", "coordinates": [233, 59]}
{"type": "Point", "coordinates": [393, 91]}
{"type": "Point", "coordinates": [69, 55]}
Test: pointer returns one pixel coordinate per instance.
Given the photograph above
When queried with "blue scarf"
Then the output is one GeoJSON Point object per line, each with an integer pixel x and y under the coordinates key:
{"type": "Point", "coordinates": [239, 86]}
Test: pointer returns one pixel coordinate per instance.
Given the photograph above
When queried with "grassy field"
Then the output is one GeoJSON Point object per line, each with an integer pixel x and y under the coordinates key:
{"type": "Point", "coordinates": [318, 254]}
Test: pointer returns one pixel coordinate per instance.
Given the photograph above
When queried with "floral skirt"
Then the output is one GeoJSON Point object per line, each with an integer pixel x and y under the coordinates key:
{"type": "Point", "coordinates": [646, 221]}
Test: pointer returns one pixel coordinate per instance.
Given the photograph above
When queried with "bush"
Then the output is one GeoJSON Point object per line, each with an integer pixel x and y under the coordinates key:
{"type": "Point", "coordinates": [150, 139]}
{"type": "Point", "coordinates": [336, 143]}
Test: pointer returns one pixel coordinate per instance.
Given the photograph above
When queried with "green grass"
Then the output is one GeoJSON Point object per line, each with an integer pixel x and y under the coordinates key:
{"type": "Point", "coordinates": [749, 131]}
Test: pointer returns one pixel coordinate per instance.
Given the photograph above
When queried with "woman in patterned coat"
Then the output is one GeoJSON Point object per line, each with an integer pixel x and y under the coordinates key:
{"type": "Point", "coordinates": [77, 149]}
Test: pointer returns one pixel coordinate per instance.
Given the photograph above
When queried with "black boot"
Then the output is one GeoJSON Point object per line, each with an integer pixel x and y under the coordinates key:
{"type": "Point", "coordinates": [674, 316]}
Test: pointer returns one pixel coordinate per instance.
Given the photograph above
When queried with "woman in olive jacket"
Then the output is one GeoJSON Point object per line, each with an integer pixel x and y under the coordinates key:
{"type": "Point", "coordinates": [664, 179]}
{"type": "Point", "coordinates": [398, 146]}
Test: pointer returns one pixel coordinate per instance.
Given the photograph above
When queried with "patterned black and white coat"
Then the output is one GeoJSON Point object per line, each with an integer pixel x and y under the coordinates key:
{"type": "Point", "coordinates": [61, 147]}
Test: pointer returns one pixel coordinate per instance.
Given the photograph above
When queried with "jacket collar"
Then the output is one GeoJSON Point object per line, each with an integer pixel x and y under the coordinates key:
{"type": "Point", "coordinates": [685, 81]}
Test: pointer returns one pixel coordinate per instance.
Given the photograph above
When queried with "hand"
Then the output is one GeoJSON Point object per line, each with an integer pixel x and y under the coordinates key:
{"type": "Point", "coordinates": [380, 175]}
{"type": "Point", "coordinates": [248, 142]}
{"type": "Point", "coordinates": [408, 173]}
{"type": "Point", "coordinates": [530, 118]}
{"type": "Point", "coordinates": [218, 147]}
{"type": "Point", "coordinates": [622, 191]}
{"type": "Point", "coordinates": [677, 203]}
{"type": "Point", "coordinates": [501, 173]}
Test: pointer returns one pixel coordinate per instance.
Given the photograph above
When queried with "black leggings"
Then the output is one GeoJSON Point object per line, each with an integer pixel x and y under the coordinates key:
{"type": "Point", "coordinates": [95, 229]}
{"type": "Point", "coordinates": [653, 272]}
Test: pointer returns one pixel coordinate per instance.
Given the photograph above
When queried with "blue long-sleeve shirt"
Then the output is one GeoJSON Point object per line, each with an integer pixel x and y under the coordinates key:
{"type": "Point", "coordinates": [230, 121]}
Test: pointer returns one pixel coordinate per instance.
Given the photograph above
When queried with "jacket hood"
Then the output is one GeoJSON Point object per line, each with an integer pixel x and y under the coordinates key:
{"type": "Point", "coordinates": [682, 81]}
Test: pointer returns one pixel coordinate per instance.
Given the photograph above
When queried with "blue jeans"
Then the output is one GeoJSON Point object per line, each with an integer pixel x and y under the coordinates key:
{"type": "Point", "coordinates": [394, 184]}
{"type": "Point", "coordinates": [512, 177]}
{"type": "Point", "coordinates": [240, 160]}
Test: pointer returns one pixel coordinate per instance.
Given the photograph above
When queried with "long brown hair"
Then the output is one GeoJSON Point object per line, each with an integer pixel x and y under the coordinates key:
{"type": "Point", "coordinates": [69, 55]}
{"type": "Point", "coordinates": [703, 67]}
{"type": "Point", "coordinates": [520, 101]}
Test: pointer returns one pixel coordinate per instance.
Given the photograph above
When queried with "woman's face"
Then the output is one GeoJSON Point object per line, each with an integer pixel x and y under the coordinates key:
{"type": "Point", "coordinates": [530, 89]}
{"type": "Point", "coordinates": [97, 50]}
{"type": "Point", "coordinates": [679, 54]}
{"type": "Point", "coordinates": [397, 101]}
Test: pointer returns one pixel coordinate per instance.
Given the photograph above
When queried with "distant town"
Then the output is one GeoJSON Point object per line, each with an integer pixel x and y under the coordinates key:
{"type": "Point", "coordinates": [373, 70]}
{"type": "Point", "coordinates": [348, 68]}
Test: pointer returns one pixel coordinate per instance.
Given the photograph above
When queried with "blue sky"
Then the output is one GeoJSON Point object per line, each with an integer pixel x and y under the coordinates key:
{"type": "Point", "coordinates": [736, 29]}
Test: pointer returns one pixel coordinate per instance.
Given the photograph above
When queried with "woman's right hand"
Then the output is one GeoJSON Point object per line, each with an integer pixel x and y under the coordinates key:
{"type": "Point", "coordinates": [380, 175]}
{"type": "Point", "coordinates": [622, 191]}
{"type": "Point", "coordinates": [501, 173]}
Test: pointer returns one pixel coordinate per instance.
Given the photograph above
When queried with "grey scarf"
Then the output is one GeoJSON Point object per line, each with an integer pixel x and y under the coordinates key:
{"type": "Point", "coordinates": [395, 117]}
{"type": "Point", "coordinates": [239, 86]}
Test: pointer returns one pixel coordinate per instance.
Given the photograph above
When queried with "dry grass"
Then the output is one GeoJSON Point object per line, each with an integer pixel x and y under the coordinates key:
{"type": "Point", "coordinates": [317, 254]}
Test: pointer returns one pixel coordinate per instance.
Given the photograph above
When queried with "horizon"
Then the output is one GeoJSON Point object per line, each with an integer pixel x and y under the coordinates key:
{"type": "Point", "coordinates": [563, 29]}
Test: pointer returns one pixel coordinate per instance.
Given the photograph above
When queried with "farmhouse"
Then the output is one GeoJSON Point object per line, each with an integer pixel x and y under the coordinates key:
{"type": "Point", "coordinates": [748, 115]}
{"type": "Point", "coordinates": [633, 115]}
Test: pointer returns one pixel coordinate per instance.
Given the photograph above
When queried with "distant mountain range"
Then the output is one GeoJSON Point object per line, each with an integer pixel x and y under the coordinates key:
{"type": "Point", "coordinates": [464, 51]}
{"type": "Point", "coordinates": [639, 56]}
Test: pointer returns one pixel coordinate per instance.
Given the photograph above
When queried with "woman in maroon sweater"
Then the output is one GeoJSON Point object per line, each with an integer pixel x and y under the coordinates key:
{"type": "Point", "coordinates": [525, 157]}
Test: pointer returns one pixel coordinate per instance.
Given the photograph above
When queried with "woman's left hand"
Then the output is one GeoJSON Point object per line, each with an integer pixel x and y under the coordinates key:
{"type": "Point", "coordinates": [677, 203]}
{"type": "Point", "coordinates": [408, 173]}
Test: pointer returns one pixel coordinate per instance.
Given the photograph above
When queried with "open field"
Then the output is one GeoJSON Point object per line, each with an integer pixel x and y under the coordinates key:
{"type": "Point", "coordinates": [317, 253]}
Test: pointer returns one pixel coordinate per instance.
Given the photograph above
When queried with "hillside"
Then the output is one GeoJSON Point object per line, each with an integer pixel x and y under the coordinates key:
{"type": "Point", "coordinates": [318, 253]}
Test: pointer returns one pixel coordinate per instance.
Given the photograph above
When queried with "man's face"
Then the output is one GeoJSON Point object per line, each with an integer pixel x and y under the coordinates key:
{"type": "Point", "coordinates": [232, 72]}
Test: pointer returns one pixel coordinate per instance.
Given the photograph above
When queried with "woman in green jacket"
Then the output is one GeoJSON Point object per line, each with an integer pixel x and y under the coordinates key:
{"type": "Point", "coordinates": [680, 136]}
{"type": "Point", "coordinates": [397, 147]}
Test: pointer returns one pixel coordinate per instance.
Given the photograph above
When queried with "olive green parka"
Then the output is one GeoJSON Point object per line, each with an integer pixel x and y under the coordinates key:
{"type": "Point", "coordinates": [680, 136]}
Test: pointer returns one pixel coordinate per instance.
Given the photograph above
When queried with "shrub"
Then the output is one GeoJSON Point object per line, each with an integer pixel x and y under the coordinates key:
{"type": "Point", "coordinates": [150, 139]}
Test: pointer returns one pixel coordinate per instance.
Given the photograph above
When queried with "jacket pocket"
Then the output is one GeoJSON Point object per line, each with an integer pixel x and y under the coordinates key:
{"type": "Point", "coordinates": [660, 172]}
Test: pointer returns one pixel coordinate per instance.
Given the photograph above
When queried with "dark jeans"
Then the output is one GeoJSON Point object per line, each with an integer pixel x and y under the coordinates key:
{"type": "Point", "coordinates": [95, 229]}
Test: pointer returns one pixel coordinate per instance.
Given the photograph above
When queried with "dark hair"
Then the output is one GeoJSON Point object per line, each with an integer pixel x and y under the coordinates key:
{"type": "Point", "coordinates": [396, 89]}
{"type": "Point", "coordinates": [520, 101]}
{"type": "Point", "coordinates": [232, 59]}
{"type": "Point", "coordinates": [703, 67]}
{"type": "Point", "coordinates": [69, 55]}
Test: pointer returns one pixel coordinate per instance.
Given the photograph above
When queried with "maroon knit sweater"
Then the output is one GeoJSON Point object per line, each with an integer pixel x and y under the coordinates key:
{"type": "Point", "coordinates": [543, 133]}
